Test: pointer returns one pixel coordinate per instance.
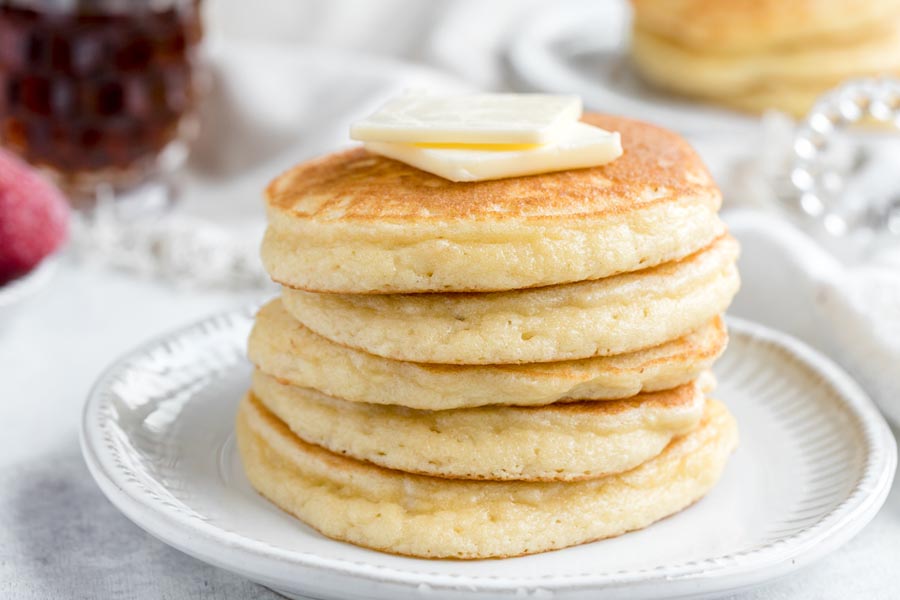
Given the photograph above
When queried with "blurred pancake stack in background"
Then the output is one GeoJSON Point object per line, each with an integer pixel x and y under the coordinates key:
{"type": "Point", "coordinates": [759, 54]}
{"type": "Point", "coordinates": [495, 368]}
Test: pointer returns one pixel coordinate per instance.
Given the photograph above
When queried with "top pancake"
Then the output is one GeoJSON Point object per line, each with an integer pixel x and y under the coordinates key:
{"type": "Point", "coordinates": [354, 222]}
{"type": "Point", "coordinates": [755, 25]}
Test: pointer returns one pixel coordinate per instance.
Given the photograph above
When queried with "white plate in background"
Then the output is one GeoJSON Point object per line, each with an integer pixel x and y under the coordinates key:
{"type": "Point", "coordinates": [814, 465]}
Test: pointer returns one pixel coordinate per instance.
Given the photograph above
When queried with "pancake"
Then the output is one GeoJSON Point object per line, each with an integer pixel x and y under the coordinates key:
{"type": "Point", "coordinates": [757, 25]}
{"type": "Point", "coordinates": [609, 316]}
{"type": "Point", "coordinates": [354, 222]}
{"type": "Point", "coordinates": [285, 349]}
{"type": "Point", "coordinates": [430, 517]}
{"type": "Point", "coordinates": [558, 442]}
{"type": "Point", "coordinates": [794, 100]}
{"type": "Point", "coordinates": [730, 77]}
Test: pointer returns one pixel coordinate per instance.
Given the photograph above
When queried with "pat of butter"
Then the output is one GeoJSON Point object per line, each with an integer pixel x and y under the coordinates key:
{"type": "Point", "coordinates": [579, 145]}
{"type": "Point", "coordinates": [470, 119]}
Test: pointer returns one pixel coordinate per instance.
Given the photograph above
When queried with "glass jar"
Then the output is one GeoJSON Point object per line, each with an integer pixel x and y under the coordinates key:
{"type": "Point", "coordinates": [100, 93]}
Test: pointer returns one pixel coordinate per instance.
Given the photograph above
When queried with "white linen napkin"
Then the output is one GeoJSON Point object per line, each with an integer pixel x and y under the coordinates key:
{"type": "Point", "coordinates": [851, 313]}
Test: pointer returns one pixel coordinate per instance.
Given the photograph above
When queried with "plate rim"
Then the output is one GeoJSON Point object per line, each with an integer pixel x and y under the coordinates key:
{"type": "Point", "coordinates": [174, 525]}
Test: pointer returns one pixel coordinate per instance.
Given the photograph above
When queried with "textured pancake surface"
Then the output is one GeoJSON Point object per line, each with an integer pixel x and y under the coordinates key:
{"type": "Point", "coordinates": [285, 349]}
{"type": "Point", "coordinates": [354, 222]}
{"type": "Point", "coordinates": [754, 25]}
{"type": "Point", "coordinates": [417, 515]}
{"type": "Point", "coordinates": [558, 442]}
{"type": "Point", "coordinates": [609, 316]}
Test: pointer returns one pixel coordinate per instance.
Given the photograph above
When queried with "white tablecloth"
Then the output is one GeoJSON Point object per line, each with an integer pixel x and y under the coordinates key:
{"type": "Point", "coordinates": [59, 538]}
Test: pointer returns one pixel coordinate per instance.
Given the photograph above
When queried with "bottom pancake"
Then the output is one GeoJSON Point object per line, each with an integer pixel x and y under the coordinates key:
{"type": "Point", "coordinates": [424, 516]}
{"type": "Point", "coordinates": [559, 442]}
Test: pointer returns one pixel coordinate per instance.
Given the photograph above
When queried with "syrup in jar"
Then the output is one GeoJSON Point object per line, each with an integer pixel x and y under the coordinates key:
{"type": "Point", "coordinates": [95, 90]}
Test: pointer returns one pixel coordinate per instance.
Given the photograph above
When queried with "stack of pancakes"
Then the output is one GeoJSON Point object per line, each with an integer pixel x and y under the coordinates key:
{"type": "Point", "coordinates": [491, 369]}
{"type": "Point", "coordinates": [759, 54]}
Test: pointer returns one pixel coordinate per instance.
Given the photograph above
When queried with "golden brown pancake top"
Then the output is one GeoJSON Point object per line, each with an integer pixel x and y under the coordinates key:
{"type": "Point", "coordinates": [356, 185]}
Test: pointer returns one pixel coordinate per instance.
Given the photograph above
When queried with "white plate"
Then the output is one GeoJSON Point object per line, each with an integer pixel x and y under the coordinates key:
{"type": "Point", "coordinates": [581, 47]}
{"type": "Point", "coordinates": [814, 465]}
